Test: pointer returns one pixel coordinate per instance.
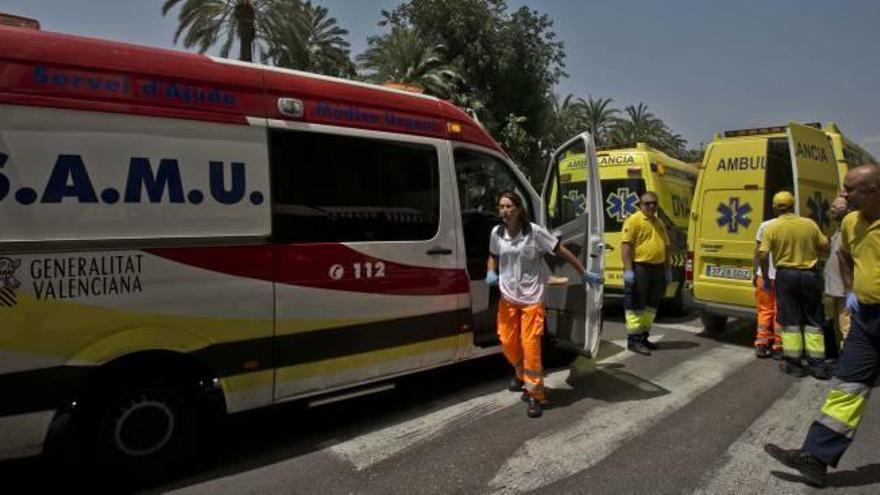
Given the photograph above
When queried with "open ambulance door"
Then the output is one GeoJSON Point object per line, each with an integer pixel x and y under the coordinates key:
{"type": "Point", "coordinates": [572, 211]}
{"type": "Point", "coordinates": [816, 179]}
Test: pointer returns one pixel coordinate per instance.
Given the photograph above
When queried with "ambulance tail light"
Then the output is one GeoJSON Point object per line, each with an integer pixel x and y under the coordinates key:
{"type": "Point", "coordinates": [689, 267]}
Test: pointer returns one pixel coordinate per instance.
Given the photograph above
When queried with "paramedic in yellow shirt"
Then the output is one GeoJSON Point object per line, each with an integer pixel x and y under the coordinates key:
{"type": "Point", "coordinates": [856, 372]}
{"type": "Point", "coordinates": [646, 271]}
{"type": "Point", "coordinates": [796, 243]}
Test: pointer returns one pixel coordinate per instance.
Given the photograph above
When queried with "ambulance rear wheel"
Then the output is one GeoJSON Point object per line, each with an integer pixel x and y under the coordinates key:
{"type": "Point", "coordinates": [143, 431]}
{"type": "Point", "coordinates": [674, 306]}
{"type": "Point", "coordinates": [714, 323]}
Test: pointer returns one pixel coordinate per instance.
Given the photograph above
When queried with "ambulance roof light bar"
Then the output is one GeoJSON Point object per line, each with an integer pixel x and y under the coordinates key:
{"type": "Point", "coordinates": [757, 131]}
{"type": "Point", "coordinates": [613, 147]}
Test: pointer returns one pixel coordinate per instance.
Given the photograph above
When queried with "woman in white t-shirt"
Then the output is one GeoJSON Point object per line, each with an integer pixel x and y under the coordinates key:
{"type": "Point", "coordinates": [516, 248]}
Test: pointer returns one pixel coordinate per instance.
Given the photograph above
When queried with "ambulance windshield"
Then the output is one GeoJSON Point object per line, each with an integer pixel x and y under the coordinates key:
{"type": "Point", "coordinates": [621, 199]}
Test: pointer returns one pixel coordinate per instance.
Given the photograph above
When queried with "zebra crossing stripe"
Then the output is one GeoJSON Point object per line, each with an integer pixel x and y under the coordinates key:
{"type": "Point", "coordinates": [583, 444]}
{"type": "Point", "coordinates": [371, 448]}
{"type": "Point", "coordinates": [745, 465]}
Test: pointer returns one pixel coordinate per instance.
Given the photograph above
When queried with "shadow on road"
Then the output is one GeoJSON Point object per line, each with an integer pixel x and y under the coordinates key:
{"type": "Point", "coordinates": [861, 476]}
{"type": "Point", "coordinates": [676, 345]}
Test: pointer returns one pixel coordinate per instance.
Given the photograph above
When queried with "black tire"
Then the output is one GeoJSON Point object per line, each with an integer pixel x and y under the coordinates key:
{"type": "Point", "coordinates": [674, 306]}
{"type": "Point", "coordinates": [553, 356]}
{"type": "Point", "coordinates": [143, 430]}
{"type": "Point", "coordinates": [714, 323]}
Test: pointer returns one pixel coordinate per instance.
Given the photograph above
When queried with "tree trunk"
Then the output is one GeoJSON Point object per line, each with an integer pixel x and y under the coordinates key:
{"type": "Point", "coordinates": [245, 18]}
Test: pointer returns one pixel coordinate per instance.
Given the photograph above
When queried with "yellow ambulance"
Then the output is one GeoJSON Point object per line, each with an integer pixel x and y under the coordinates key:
{"type": "Point", "coordinates": [625, 173]}
{"type": "Point", "coordinates": [741, 171]}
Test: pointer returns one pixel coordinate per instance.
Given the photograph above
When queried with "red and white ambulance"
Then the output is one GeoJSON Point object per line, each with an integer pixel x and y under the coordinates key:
{"type": "Point", "coordinates": [185, 235]}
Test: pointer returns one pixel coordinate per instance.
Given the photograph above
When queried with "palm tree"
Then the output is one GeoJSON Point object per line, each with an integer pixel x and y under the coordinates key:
{"type": "Point", "coordinates": [250, 22]}
{"type": "Point", "coordinates": [403, 56]}
{"type": "Point", "coordinates": [307, 39]}
{"type": "Point", "coordinates": [599, 117]}
{"type": "Point", "coordinates": [639, 125]}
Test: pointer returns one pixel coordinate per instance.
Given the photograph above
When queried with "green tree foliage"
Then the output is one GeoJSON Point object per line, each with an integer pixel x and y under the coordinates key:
{"type": "Point", "coordinates": [204, 22]}
{"type": "Point", "coordinates": [405, 56]}
{"type": "Point", "coordinates": [640, 125]}
{"type": "Point", "coordinates": [599, 118]}
{"type": "Point", "coordinates": [305, 37]}
{"type": "Point", "coordinates": [509, 61]}
{"type": "Point", "coordinates": [289, 33]}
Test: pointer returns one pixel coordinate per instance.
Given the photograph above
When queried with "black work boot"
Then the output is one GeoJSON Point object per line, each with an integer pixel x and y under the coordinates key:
{"type": "Point", "coordinates": [777, 354]}
{"type": "Point", "coordinates": [515, 385]}
{"type": "Point", "coordinates": [761, 351]}
{"type": "Point", "coordinates": [650, 345]}
{"type": "Point", "coordinates": [638, 346]}
{"type": "Point", "coordinates": [812, 469]}
{"type": "Point", "coordinates": [535, 409]}
{"type": "Point", "coordinates": [821, 371]}
{"type": "Point", "coordinates": [795, 370]}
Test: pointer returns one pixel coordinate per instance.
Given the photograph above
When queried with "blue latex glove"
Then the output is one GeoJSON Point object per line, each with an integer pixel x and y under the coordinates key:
{"type": "Point", "coordinates": [593, 279]}
{"type": "Point", "coordinates": [668, 275]}
{"type": "Point", "coordinates": [629, 277]}
{"type": "Point", "coordinates": [491, 278]}
{"type": "Point", "coordinates": [852, 302]}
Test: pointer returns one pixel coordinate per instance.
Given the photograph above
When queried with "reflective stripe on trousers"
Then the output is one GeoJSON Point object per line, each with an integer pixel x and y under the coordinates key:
{"type": "Point", "coordinates": [796, 343]}
{"type": "Point", "coordinates": [855, 374]}
{"type": "Point", "coordinates": [639, 322]}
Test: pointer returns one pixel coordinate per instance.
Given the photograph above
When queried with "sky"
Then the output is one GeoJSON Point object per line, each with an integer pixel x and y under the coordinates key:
{"type": "Point", "coordinates": [701, 66]}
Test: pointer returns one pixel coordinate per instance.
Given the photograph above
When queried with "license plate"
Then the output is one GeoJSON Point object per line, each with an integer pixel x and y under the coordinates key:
{"type": "Point", "coordinates": [731, 272]}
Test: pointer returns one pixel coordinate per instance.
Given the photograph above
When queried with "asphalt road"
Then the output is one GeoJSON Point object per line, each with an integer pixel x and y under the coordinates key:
{"type": "Point", "coordinates": [692, 418]}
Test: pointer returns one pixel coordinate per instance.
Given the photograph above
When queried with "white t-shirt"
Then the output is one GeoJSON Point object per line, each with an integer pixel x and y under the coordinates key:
{"type": "Point", "coordinates": [770, 267]}
{"type": "Point", "coordinates": [833, 282]}
{"type": "Point", "coordinates": [522, 273]}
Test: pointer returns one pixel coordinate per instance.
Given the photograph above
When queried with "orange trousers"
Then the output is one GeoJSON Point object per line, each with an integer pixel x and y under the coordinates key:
{"type": "Point", "coordinates": [769, 331]}
{"type": "Point", "coordinates": [520, 329]}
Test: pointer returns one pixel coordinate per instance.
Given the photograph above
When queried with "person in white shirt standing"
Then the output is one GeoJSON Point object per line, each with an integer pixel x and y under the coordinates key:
{"type": "Point", "coordinates": [517, 248]}
{"type": "Point", "coordinates": [768, 338]}
{"type": "Point", "coordinates": [834, 288]}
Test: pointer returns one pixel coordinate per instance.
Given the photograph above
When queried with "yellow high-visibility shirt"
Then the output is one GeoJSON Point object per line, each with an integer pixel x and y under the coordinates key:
{"type": "Point", "coordinates": [647, 236]}
{"type": "Point", "coordinates": [794, 241]}
{"type": "Point", "coordinates": [862, 242]}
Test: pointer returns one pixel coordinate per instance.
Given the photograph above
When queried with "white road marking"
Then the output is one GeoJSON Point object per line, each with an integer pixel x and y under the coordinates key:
{"type": "Point", "coordinates": [745, 467]}
{"type": "Point", "coordinates": [679, 326]}
{"type": "Point", "coordinates": [586, 442]}
{"type": "Point", "coordinates": [371, 448]}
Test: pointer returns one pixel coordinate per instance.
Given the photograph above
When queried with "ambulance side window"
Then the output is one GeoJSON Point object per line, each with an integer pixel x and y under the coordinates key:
{"type": "Point", "coordinates": [328, 188]}
{"type": "Point", "coordinates": [566, 192]}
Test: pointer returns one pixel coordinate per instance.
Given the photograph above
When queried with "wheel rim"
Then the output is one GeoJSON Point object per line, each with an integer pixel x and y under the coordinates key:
{"type": "Point", "coordinates": [143, 425]}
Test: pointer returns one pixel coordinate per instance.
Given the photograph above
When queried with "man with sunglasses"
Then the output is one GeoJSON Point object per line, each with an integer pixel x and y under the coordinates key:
{"type": "Point", "coordinates": [646, 271]}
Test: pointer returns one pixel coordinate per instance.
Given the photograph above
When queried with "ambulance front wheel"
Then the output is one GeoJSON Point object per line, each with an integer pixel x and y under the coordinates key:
{"type": "Point", "coordinates": [145, 429]}
{"type": "Point", "coordinates": [712, 322]}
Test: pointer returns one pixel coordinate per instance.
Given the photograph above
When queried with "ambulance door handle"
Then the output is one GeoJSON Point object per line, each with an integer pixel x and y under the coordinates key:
{"type": "Point", "coordinates": [439, 250]}
{"type": "Point", "coordinates": [609, 247]}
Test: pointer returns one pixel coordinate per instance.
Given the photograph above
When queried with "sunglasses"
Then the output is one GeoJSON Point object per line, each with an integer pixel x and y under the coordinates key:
{"type": "Point", "coordinates": [649, 203]}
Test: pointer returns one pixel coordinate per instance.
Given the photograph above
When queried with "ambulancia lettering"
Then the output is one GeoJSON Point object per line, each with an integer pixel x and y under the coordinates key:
{"type": "Point", "coordinates": [811, 151]}
{"type": "Point", "coordinates": [616, 160]}
{"type": "Point", "coordinates": [742, 163]}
